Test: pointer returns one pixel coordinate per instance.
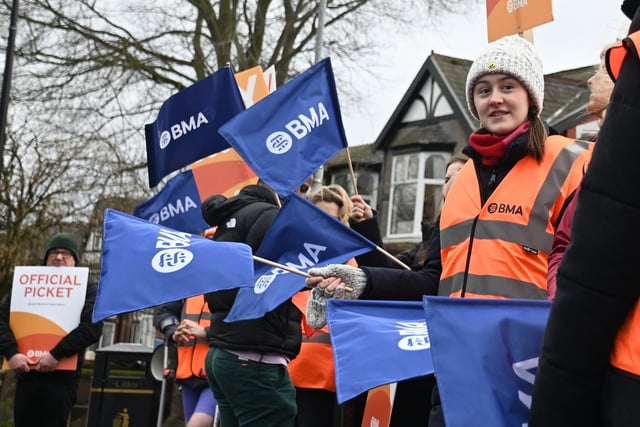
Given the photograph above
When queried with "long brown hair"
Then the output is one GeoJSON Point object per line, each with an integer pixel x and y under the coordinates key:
{"type": "Point", "coordinates": [537, 135]}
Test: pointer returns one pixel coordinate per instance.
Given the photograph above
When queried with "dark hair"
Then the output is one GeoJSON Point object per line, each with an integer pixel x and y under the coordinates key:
{"type": "Point", "coordinates": [537, 135]}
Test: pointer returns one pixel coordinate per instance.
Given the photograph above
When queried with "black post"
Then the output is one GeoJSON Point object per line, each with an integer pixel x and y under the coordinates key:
{"type": "Point", "coordinates": [6, 80]}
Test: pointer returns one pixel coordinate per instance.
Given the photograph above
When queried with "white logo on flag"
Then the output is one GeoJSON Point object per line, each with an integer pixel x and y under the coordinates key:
{"type": "Point", "coordinates": [280, 142]}
{"type": "Point", "coordinates": [171, 260]}
{"type": "Point", "coordinates": [181, 129]}
{"type": "Point", "coordinates": [174, 254]}
{"type": "Point", "coordinates": [415, 336]}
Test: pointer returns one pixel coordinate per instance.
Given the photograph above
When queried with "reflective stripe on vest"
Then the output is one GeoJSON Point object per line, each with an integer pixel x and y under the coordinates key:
{"type": "Point", "coordinates": [191, 354]}
{"type": "Point", "coordinates": [626, 349]}
{"type": "Point", "coordinates": [500, 249]}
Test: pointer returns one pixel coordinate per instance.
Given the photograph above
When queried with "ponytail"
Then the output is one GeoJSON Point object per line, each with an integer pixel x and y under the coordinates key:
{"type": "Point", "coordinates": [537, 136]}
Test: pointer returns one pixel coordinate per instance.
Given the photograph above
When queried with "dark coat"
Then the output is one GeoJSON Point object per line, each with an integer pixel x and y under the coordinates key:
{"type": "Point", "coordinates": [246, 218]}
{"type": "Point", "coordinates": [598, 280]}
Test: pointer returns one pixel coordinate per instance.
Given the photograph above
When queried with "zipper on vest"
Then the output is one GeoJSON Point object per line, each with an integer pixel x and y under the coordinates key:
{"type": "Point", "coordinates": [492, 179]}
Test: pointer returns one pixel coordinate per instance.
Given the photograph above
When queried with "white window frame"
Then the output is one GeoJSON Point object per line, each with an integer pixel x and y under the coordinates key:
{"type": "Point", "coordinates": [371, 198]}
{"type": "Point", "coordinates": [420, 181]}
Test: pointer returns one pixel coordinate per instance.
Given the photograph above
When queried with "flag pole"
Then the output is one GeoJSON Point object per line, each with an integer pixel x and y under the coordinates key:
{"type": "Point", "coordinates": [281, 266]}
{"type": "Point", "coordinates": [6, 80]}
{"type": "Point", "coordinates": [322, 7]}
{"type": "Point", "coordinates": [392, 258]}
{"type": "Point", "coordinates": [353, 174]}
{"type": "Point", "coordinates": [289, 269]}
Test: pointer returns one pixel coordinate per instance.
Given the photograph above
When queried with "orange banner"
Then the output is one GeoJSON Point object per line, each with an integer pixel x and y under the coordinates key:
{"type": "Point", "coordinates": [377, 410]}
{"type": "Point", "coordinates": [223, 173]}
{"type": "Point", "coordinates": [252, 84]}
{"type": "Point", "coordinates": [506, 17]}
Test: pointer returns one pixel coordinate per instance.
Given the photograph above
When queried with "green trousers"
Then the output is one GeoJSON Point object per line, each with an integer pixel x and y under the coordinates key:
{"type": "Point", "coordinates": [250, 394]}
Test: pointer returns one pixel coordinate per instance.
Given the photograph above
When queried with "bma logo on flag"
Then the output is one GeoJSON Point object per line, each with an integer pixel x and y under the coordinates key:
{"type": "Point", "coordinates": [415, 336]}
{"type": "Point", "coordinates": [180, 129]}
{"type": "Point", "coordinates": [313, 251]}
{"type": "Point", "coordinates": [524, 370]}
{"type": "Point", "coordinates": [174, 256]}
{"type": "Point", "coordinates": [280, 142]}
{"type": "Point", "coordinates": [171, 210]}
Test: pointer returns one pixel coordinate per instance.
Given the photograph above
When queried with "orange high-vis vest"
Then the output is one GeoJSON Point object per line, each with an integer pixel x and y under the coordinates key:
{"type": "Point", "coordinates": [314, 366]}
{"type": "Point", "coordinates": [626, 349]}
{"type": "Point", "coordinates": [192, 353]}
{"type": "Point", "coordinates": [500, 249]}
{"type": "Point", "coordinates": [616, 54]}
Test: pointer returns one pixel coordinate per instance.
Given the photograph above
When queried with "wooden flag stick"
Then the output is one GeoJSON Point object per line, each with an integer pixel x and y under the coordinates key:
{"type": "Point", "coordinates": [289, 269]}
{"type": "Point", "coordinates": [353, 174]}
{"type": "Point", "coordinates": [392, 258]}
{"type": "Point", "coordinates": [281, 266]}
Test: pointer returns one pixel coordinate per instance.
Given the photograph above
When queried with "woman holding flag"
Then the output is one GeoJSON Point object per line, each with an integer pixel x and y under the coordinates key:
{"type": "Point", "coordinates": [313, 372]}
{"type": "Point", "coordinates": [501, 211]}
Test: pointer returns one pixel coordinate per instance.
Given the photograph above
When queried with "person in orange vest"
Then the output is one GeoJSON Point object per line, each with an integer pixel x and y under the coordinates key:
{"type": "Point", "coordinates": [312, 372]}
{"type": "Point", "coordinates": [589, 369]}
{"type": "Point", "coordinates": [501, 210]}
{"type": "Point", "coordinates": [185, 323]}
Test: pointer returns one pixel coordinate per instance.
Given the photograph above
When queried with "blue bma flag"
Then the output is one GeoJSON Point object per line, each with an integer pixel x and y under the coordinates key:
{"type": "Point", "coordinates": [377, 342]}
{"type": "Point", "coordinates": [187, 126]}
{"type": "Point", "coordinates": [144, 265]}
{"type": "Point", "coordinates": [301, 236]}
{"type": "Point", "coordinates": [176, 206]}
{"type": "Point", "coordinates": [485, 355]}
{"type": "Point", "coordinates": [289, 134]}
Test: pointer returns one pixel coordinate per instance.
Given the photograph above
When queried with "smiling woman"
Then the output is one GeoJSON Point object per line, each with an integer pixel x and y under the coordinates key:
{"type": "Point", "coordinates": [491, 243]}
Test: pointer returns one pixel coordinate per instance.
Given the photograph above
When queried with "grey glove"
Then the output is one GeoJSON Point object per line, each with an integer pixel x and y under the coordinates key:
{"type": "Point", "coordinates": [353, 278]}
{"type": "Point", "coordinates": [317, 309]}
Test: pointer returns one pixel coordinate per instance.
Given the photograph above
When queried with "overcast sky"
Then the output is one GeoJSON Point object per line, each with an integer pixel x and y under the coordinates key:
{"type": "Point", "coordinates": [574, 39]}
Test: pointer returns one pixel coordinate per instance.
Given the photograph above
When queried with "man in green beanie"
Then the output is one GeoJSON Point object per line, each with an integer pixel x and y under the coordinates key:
{"type": "Point", "coordinates": [44, 396]}
{"type": "Point", "coordinates": [61, 243]}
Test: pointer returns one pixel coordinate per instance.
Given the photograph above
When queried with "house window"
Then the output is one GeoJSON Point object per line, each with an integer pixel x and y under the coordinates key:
{"type": "Point", "coordinates": [416, 192]}
{"type": "Point", "coordinates": [366, 181]}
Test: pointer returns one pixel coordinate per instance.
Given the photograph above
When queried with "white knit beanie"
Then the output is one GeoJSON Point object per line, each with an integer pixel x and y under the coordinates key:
{"type": "Point", "coordinates": [511, 55]}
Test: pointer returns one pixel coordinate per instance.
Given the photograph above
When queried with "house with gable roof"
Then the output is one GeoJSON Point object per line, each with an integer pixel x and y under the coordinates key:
{"type": "Point", "coordinates": [401, 174]}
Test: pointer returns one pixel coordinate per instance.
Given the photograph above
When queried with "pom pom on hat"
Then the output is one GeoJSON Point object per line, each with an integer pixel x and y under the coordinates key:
{"type": "Point", "coordinates": [64, 241]}
{"type": "Point", "coordinates": [511, 55]}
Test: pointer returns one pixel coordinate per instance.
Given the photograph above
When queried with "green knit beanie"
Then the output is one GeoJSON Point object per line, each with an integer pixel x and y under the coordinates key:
{"type": "Point", "coordinates": [64, 241]}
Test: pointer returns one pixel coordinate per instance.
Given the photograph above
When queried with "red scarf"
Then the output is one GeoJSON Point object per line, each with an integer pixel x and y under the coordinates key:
{"type": "Point", "coordinates": [493, 148]}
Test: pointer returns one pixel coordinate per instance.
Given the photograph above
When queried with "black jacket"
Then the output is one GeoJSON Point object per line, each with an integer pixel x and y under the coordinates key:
{"type": "Point", "coordinates": [246, 218]}
{"type": "Point", "coordinates": [598, 280]}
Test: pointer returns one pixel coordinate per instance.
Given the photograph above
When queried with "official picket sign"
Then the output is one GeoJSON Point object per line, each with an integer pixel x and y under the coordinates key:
{"type": "Point", "coordinates": [46, 304]}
